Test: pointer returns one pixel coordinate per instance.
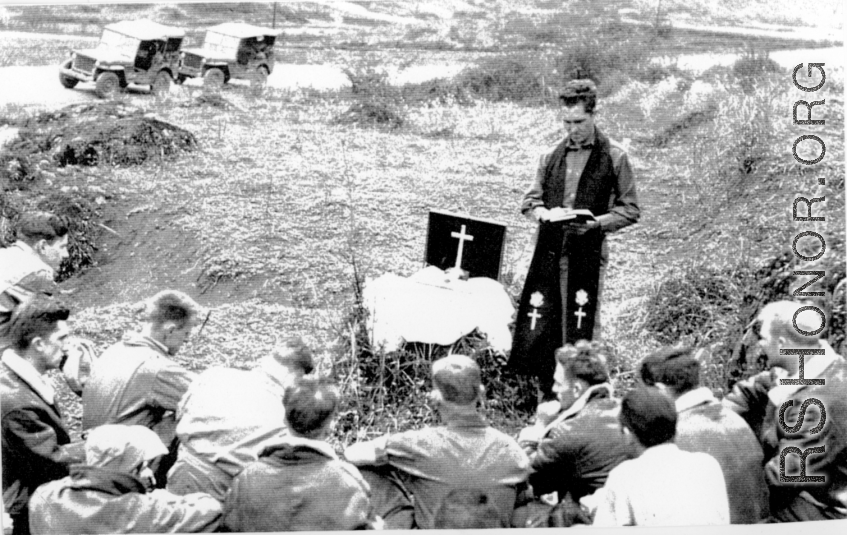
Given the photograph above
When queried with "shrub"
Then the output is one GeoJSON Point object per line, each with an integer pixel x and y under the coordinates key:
{"type": "Point", "coordinates": [377, 103]}
{"type": "Point", "coordinates": [688, 304]}
{"type": "Point", "coordinates": [373, 114]}
{"type": "Point", "coordinates": [690, 120]}
{"type": "Point", "coordinates": [441, 90]}
{"type": "Point", "coordinates": [604, 50]}
{"type": "Point", "coordinates": [754, 63]}
{"type": "Point", "coordinates": [82, 217]}
{"type": "Point", "coordinates": [79, 212]}
{"type": "Point", "coordinates": [713, 308]}
{"type": "Point", "coordinates": [387, 391]}
{"type": "Point", "coordinates": [500, 79]}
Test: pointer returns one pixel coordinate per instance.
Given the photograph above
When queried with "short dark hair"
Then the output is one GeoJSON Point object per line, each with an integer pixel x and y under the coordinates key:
{"type": "Point", "coordinates": [650, 415]}
{"type": "Point", "coordinates": [294, 354]}
{"type": "Point", "coordinates": [579, 91]}
{"type": "Point", "coordinates": [309, 403]}
{"type": "Point", "coordinates": [172, 305]}
{"type": "Point", "coordinates": [458, 378]}
{"type": "Point", "coordinates": [583, 361]}
{"type": "Point", "coordinates": [673, 366]}
{"type": "Point", "coordinates": [35, 226]}
{"type": "Point", "coordinates": [35, 317]}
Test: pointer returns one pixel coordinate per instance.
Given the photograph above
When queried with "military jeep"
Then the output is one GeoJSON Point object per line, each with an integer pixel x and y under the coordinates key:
{"type": "Point", "coordinates": [138, 52]}
{"type": "Point", "coordinates": [231, 50]}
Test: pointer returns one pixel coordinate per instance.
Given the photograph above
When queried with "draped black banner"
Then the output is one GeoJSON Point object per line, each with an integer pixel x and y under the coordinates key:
{"type": "Point", "coordinates": [538, 326]}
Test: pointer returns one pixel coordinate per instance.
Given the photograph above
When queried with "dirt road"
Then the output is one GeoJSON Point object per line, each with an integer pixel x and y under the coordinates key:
{"type": "Point", "coordinates": [40, 85]}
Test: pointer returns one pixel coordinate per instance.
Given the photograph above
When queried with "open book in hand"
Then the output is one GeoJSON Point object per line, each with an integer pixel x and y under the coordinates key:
{"type": "Point", "coordinates": [571, 216]}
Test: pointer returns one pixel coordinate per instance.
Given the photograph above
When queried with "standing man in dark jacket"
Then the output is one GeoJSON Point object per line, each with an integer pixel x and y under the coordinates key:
{"type": "Point", "coordinates": [575, 441]}
{"type": "Point", "coordinates": [299, 483]}
{"type": "Point", "coordinates": [135, 382]}
{"type": "Point", "coordinates": [36, 445]}
{"type": "Point", "coordinates": [585, 171]}
{"type": "Point", "coordinates": [704, 424]}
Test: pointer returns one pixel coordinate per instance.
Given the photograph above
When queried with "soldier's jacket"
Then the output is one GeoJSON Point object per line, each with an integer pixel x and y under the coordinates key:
{"type": "Point", "coordinates": [707, 426]}
{"type": "Point", "coordinates": [759, 399]}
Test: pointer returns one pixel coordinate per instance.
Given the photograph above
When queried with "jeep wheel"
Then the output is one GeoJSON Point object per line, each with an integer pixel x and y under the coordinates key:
{"type": "Point", "coordinates": [107, 84]}
{"type": "Point", "coordinates": [213, 80]}
{"type": "Point", "coordinates": [161, 85]}
{"type": "Point", "coordinates": [67, 81]}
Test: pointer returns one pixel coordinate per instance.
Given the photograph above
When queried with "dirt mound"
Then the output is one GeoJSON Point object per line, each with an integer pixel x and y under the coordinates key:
{"type": "Point", "coordinates": [47, 151]}
{"type": "Point", "coordinates": [90, 134]}
{"type": "Point", "coordinates": [146, 249]}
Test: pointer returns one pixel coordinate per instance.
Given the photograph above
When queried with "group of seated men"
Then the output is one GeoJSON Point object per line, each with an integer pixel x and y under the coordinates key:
{"type": "Point", "coordinates": [168, 450]}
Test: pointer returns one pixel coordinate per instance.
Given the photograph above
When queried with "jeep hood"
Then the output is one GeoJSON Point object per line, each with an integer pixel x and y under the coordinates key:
{"type": "Point", "coordinates": [106, 55]}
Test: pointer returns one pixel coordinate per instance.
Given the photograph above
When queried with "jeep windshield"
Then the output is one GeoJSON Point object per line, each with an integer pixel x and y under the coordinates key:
{"type": "Point", "coordinates": [220, 45]}
{"type": "Point", "coordinates": [120, 43]}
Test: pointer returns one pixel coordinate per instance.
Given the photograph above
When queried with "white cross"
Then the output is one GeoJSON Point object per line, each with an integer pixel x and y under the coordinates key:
{"type": "Point", "coordinates": [462, 238]}
{"type": "Point", "coordinates": [579, 315]}
{"type": "Point", "coordinates": [534, 315]}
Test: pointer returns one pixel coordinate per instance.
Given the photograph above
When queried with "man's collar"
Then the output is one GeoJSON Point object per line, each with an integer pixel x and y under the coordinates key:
{"type": "Point", "coordinates": [138, 339]}
{"type": "Point", "coordinates": [25, 247]}
{"type": "Point", "coordinates": [29, 374]}
{"type": "Point", "coordinates": [813, 368]}
{"type": "Point", "coordinates": [693, 398]}
{"type": "Point", "coordinates": [470, 419]}
{"type": "Point", "coordinates": [659, 451]}
{"type": "Point", "coordinates": [601, 390]}
{"type": "Point", "coordinates": [588, 143]}
{"type": "Point", "coordinates": [319, 446]}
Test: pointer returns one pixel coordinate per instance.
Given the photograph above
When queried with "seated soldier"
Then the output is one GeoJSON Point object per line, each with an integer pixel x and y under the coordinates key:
{"type": "Point", "coordinates": [704, 424]}
{"type": "Point", "coordinates": [228, 416]}
{"type": "Point", "coordinates": [136, 383]}
{"type": "Point", "coordinates": [110, 493]}
{"type": "Point", "coordinates": [465, 453]}
{"type": "Point", "coordinates": [29, 266]}
{"type": "Point", "coordinates": [299, 483]}
{"type": "Point", "coordinates": [771, 405]}
{"type": "Point", "coordinates": [575, 441]}
{"type": "Point", "coordinates": [664, 486]}
{"type": "Point", "coordinates": [36, 444]}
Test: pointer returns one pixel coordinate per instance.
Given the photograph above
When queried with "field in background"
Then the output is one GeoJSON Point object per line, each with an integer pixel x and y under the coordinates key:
{"type": "Point", "coordinates": [295, 198]}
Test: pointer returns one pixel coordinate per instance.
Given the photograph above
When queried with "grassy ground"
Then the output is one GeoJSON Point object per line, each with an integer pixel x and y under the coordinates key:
{"type": "Point", "coordinates": [284, 208]}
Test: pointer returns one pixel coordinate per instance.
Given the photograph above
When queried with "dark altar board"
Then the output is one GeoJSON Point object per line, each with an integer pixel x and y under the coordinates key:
{"type": "Point", "coordinates": [482, 243]}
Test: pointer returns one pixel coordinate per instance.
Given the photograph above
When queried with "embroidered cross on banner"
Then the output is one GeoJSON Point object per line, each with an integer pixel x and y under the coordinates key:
{"type": "Point", "coordinates": [581, 300]}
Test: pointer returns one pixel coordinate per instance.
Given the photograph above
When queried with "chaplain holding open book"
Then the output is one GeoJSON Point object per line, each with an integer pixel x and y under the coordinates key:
{"type": "Point", "coordinates": [584, 189]}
